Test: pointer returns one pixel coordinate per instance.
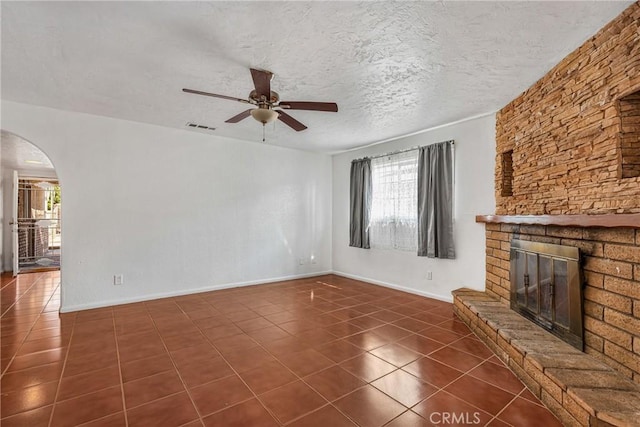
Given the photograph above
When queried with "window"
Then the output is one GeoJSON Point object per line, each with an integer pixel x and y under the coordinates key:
{"type": "Point", "coordinates": [394, 211]}
{"type": "Point", "coordinates": [404, 201]}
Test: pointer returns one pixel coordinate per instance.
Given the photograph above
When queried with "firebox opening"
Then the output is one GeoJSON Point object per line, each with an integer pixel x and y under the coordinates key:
{"type": "Point", "coordinates": [546, 287]}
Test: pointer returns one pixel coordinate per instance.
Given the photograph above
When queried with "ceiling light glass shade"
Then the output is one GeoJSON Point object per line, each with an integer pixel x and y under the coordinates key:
{"type": "Point", "coordinates": [264, 115]}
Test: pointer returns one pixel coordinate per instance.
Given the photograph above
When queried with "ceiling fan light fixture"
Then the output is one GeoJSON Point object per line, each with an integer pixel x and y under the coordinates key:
{"type": "Point", "coordinates": [264, 115]}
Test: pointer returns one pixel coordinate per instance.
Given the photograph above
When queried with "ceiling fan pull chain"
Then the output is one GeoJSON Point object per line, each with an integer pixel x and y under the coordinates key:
{"type": "Point", "coordinates": [263, 132]}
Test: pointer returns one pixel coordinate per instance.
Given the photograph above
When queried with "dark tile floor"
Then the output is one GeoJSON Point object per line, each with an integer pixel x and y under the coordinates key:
{"type": "Point", "coordinates": [326, 351]}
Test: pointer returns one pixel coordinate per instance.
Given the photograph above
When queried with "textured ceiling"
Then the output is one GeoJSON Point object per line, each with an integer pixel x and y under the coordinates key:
{"type": "Point", "coordinates": [393, 67]}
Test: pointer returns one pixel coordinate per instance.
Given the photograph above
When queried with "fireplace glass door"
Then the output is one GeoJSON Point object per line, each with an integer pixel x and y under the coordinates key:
{"type": "Point", "coordinates": [561, 308]}
{"type": "Point", "coordinates": [545, 287]}
{"type": "Point", "coordinates": [546, 283]}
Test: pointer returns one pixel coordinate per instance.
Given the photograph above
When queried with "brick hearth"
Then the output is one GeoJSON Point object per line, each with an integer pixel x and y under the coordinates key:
{"type": "Point", "coordinates": [578, 389]}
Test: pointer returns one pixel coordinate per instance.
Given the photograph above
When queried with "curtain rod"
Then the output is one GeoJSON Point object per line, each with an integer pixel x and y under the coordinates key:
{"type": "Point", "coordinates": [391, 153]}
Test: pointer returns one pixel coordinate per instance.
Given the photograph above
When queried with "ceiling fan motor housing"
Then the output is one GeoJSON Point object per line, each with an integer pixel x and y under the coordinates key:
{"type": "Point", "coordinates": [273, 99]}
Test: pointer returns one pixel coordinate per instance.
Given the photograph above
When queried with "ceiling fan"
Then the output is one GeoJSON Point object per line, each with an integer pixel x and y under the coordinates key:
{"type": "Point", "coordinates": [268, 102]}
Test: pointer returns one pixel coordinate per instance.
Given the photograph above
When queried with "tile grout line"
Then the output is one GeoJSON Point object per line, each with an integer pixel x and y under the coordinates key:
{"type": "Point", "coordinates": [30, 330]}
{"type": "Point", "coordinates": [442, 389]}
{"type": "Point", "coordinates": [515, 396]}
{"type": "Point", "coordinates": [13, 279]}
{"type": "Point", "coordinates": [335, 364]}
{"type": "Point", "coordinates": [365, 351]}
{"type": "Point", "coordinates": [505, 407]}
{"type": "Point", "coordinates": [41, 275]}
{"type": "Point", "coordinates": [195, 407]}
{"type": "Point", "coordinates": [467, 372]}
{"type": "Point", "coordinates": [64, 365]}
{"type": "Point", "coordinates": [37, 316]}
{"type": "Point", "coordinates": [539, 401]}
{"type": "Point", "coordinates": [438, 389]}
{"type": "Point", "coordinates": [299, 378]}
{"type": "Point", "coordinates": [158, 398]}
{"type": "Point", "coordinates": [528, 400]}
{"type": "Point", "coordinates": [32, 325]}
{"type": "Point", "coordinates": [398, 416]}
{"type": "Point", "coordinates": [369, 383]}
{"type": "Point", "coordinates": [286, 305]}
{"type": "Point", "coordinates": [255, 396]}
{"type": "Point", "coordinates": [115, 336]}
{"type": "Point", "coordinates": [95, 419]}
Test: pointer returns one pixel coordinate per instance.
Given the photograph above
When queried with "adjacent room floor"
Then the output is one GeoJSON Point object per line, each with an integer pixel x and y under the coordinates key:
{"type": "Point", "coordinates": [326, 351]}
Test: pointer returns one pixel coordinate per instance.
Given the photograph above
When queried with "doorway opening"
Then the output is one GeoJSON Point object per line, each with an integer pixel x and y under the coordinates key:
{"type": "Point", "coordinates": [38, 224]}
{"type": "Point", "coordinates": [31, 208]}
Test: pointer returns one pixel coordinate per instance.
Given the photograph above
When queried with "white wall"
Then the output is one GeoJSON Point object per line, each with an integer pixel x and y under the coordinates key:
{"type": "Point", "coordinates": [6, 187]}
{"type": "Point", "coordinates": [474, 194]}
{"type": "Point", "coordinates": [176, 211]}
{"type": "Point", "coordinates": [2, 214]}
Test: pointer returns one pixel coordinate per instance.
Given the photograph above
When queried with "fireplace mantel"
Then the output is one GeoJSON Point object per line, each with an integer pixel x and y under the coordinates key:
{"type": "Point", "coordinates": [603, 220]}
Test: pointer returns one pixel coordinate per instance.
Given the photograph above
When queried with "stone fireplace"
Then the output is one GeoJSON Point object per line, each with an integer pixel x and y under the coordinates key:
{"type": "Point", "coordinates": [566, 173]}
{"type": "Point", "coordinates": [546, 287]}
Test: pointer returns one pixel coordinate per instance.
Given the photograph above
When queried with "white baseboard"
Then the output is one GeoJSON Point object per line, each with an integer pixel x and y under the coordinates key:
{"type": "Point", "coordinates": [149, 297]}
{"type": "Point", "coordinates": [448, 298]}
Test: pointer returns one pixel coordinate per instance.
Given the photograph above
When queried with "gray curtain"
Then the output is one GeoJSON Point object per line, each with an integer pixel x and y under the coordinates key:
{"type": "Point", "coordinates": [435, 201]}
{"type": "Point", "coordinates": [360, 203]}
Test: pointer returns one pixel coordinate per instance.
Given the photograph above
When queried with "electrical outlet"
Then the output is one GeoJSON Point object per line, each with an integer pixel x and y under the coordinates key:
{"type": "Point", "coordinates": [313, 259]}
{"type": "Point", "coordinates": [301, 261]}
{"type": "Point", "coordinates": [429, 275]}
{"type": "Point", "coordinates": [118, 279]}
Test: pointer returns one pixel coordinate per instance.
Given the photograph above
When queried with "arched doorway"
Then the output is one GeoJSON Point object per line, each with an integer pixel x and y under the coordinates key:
{"type": "Point", "coordinates": [31, 207]}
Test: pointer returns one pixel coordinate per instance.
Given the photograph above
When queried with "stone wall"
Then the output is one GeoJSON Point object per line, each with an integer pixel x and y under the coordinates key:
{"type": "Point", "coordinates": [570, 145]}
{"type": "Point", "coordinates": [611, 267]}
{"type": "Point", "coordinates": [629, 110]}
{"type": "Point", "coordinates": [566, 133]}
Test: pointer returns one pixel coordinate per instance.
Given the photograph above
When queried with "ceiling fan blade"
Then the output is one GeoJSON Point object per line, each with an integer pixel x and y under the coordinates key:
{"type": "Point", "coordinates": [215, 95]}
{"type": "Point", "coordinates": [316, 106]}
{"type": "Point", "coordinates": [241, 116]}
{"type": "Point", "coordinates": [290, 121]}
{"type": "Point", "coordinates": [262, 82]}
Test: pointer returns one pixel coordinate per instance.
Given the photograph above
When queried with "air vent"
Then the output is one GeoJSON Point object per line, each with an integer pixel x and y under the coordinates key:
{"type": "Point", "coordinates": [201, 127]}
